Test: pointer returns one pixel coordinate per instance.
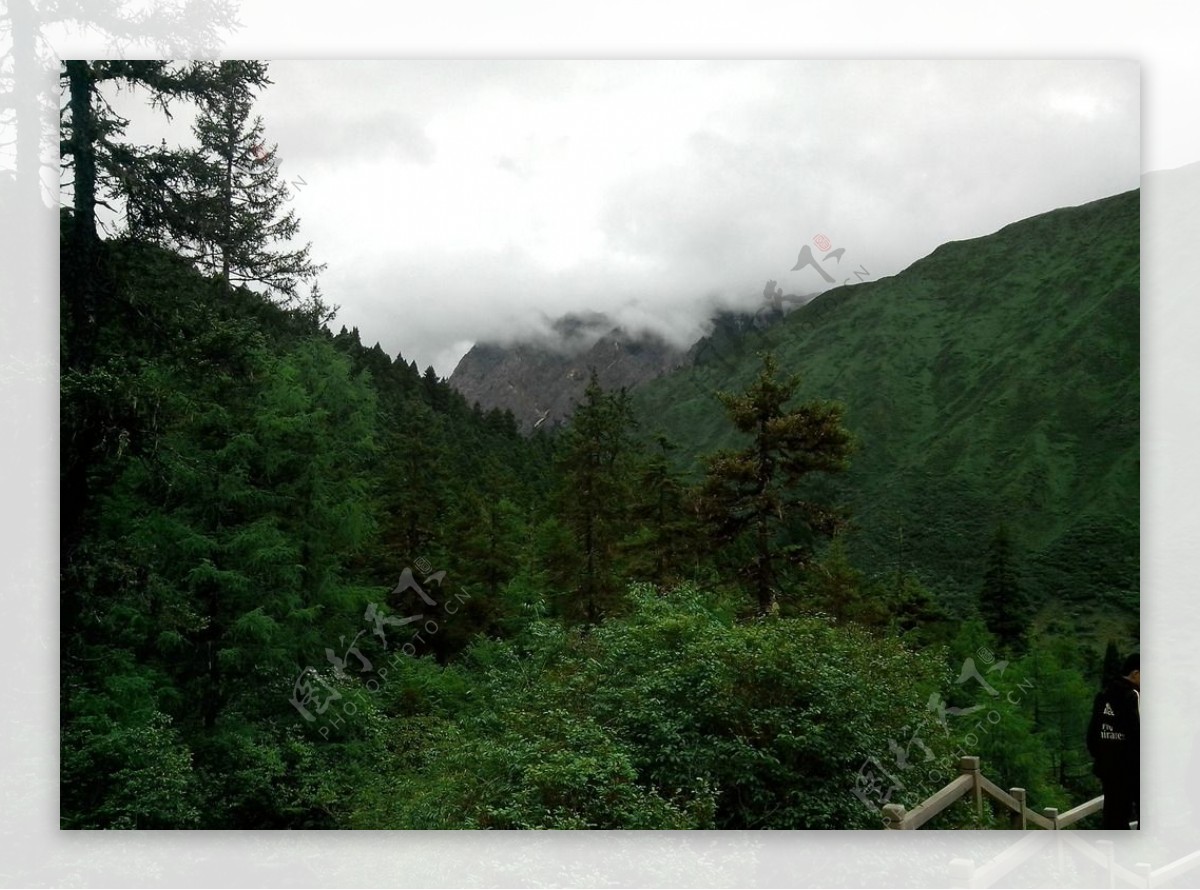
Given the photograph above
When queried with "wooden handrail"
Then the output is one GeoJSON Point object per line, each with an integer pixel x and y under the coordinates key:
{"type": "Point", "coordinates": [1018, 807]}
{"type": "Point", "coordinates": [931, 807]}
{"type": "Point", "coordinates": [1073, 815]}
{"type": "Point", "coordinates": [995, 792]}
{"type": "Point", "coordinates": [896, 818]}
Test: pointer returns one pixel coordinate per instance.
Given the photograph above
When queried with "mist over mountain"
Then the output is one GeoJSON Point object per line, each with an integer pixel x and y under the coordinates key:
{"type": "Point", "coordinates": [541, 376]}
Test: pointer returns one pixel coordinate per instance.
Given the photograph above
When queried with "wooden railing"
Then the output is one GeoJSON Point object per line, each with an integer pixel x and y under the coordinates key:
{"type": "Point", "coordinates": [972, 781]}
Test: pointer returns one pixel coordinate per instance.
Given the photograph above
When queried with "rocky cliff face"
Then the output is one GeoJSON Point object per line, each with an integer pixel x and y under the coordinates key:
{"type": "Point", "coordinates": [542, 381]}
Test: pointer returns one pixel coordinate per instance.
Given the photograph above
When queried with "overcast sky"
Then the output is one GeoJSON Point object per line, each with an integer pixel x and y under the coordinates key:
{"type": "Point", "coordinates": [455, 202]}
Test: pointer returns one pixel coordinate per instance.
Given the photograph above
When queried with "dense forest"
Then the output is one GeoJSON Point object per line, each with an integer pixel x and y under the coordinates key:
{"type": "Point", "coordinates": [304, 584]}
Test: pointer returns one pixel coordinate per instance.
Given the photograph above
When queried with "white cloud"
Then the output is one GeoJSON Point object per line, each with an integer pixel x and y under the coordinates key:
{"type": "Point", "coordinates": [460, 201]}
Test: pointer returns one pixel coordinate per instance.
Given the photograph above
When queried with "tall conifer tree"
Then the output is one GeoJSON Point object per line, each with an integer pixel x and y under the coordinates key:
{"type": "Point", "coordinates": [1003, 602]}
{"type": "Point", "coordinates": [104, 166]}
{"type": "Point", "coordinates": [668, 542]}
{"type": "Point", "coordinates": [241, 231]}
{"type": "Point", "coordinates": [594, 496]}
{"type": "Point", "coordinates": [755, 492]}
{"type": "Point", "coordinates": [105, 170]}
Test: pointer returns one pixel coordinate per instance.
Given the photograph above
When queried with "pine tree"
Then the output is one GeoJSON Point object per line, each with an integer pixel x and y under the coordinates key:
{"type": "Point", "coordinates": [1065, 700]}
{"type": "Point", "coordinates": [755, 492]}
{"type": "Point", "coordinates": [594, 466]}
{"type": "Point", "coordinates": [414, 486]}
{"type": "Point", "coordinates": [488, 545]}
{"type": "Point", "coordinates": [107, 171]}
{"type": "Point", "coordinates": [486, 538]}
{"type": "Point", "coordinates": [838, 589]}
{"type": "Point", "coordinates": [667, 542]}
{"type": "Point", "coordinates": [239, 230]}
{"type": "Point", "coordinates": [212, 564]}
{"type": "Point", "coordinates": [434, 390]}
{"type": "Point", "coordinates": [1003, 602]}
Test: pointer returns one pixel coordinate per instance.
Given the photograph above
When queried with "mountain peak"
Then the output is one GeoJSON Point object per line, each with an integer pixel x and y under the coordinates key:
{"type": "Point", "coordinates": [541, 380]}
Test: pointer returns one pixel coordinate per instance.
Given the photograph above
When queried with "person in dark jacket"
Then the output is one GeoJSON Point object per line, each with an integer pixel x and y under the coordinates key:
{"type": "Point", "coordinates": [1114, 741]}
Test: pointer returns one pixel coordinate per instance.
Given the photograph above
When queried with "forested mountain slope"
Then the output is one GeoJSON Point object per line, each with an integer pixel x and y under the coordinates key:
{"type": "Point", "coordinates": [995, 380]}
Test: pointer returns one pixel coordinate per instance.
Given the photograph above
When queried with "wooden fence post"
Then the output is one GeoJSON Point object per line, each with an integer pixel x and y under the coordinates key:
{"type": "Point", "coordinates": [893, 816]}
{"type": "Point", "coordinates": [1018, 820]}
{"type": "Point", "coordinates": [970, 766]}
{"type": "Point", "coordinates": [1051, 813]}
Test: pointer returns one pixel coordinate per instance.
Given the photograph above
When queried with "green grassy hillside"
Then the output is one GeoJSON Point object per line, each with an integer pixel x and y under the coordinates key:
{"type": "Point", "coordinates": [994, 380]}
